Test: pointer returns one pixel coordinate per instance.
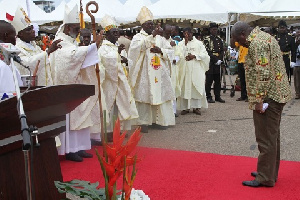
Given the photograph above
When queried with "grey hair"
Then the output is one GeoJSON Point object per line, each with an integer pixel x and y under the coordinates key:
{"type": "Point", "coordinates": [239, 27]}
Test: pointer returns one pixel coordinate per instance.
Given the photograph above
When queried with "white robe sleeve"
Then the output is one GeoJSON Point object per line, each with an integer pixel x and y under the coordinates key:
{"type": "Point", "coordinates": [91, 57]}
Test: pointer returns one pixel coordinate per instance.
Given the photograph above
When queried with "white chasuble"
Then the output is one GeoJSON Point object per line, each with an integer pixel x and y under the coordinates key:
{"type": "Point", "coordinates": [73, 64]}
{"type": "Point", "coordinates": [149, 76]}
{"type": "Point", "coordinates": [30, 55]}
{"type": "Point", "coordinates": [115, 85]}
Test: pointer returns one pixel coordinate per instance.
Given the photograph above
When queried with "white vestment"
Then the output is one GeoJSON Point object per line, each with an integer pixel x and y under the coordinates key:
{"type": "Point", "coordinates": [192, 75]}
{"type": "Point", "coordinates": [149, 78]}
{"type": "Point", "coordinates": [7, 84]}
{"type": "Point", "coordinates": [30, 55]}
{"type": "Point", "coordinates": [118, 96]}
{"type": "Point", "coordinates": [70, 65]}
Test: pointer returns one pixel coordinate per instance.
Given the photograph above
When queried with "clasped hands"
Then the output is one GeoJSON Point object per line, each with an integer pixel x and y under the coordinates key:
{"type": "Point", "coordinates": [190, 57]}
{"type": "Point", "coordinates": [155, 49]}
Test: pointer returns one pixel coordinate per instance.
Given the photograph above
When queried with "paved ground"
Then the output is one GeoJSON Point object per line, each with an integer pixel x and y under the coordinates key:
{"type": "Point", "coordinates": [226, 129]}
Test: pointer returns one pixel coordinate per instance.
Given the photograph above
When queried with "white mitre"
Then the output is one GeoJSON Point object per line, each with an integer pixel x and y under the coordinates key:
{"type": "Point", "coordinates": [20, 20]}
{"type": "Point", "coordinates": [108, 22]}
{"type": "Point", "coordinates": [144, 15]}
{"type": "Point", "coordinates": [71, 16]}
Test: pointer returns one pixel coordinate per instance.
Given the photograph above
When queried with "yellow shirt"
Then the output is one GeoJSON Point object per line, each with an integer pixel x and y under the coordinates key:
{"type": "Point", "coordinates": [243, 51]}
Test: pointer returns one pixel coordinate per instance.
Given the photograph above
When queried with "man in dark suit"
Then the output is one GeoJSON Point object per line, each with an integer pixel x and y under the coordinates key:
{"type": "Point", "coordinates": [214, 48]}
{"type": "Point", "coordinates": [287, 47]}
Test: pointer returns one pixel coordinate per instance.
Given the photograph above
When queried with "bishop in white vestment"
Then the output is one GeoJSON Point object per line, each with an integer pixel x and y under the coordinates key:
{"type": "Point", "coordinates": [119, 99]}
{"type": "Point", "coordinates": [75, 64]}
{"type": "Point", "coordinates": [149, 77]}
{"type": "Point", "coordinates": [31, 54]}
{"type": "Point", "coordinates": [194, 62]}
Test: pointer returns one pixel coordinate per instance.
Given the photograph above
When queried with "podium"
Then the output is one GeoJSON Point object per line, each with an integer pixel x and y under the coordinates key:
{"type": "Point", "coordinates": [45, 108]}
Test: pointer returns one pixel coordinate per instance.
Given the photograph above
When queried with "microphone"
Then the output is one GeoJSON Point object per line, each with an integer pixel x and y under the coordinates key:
{"type": "Point", "coordinates": [8, 51]}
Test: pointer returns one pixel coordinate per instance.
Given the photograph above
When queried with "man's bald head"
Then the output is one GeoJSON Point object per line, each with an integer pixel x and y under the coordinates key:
{"type": "Point", "coordinates": [7, 32]}
{"type": "Point", "coordinates": [239, 32]}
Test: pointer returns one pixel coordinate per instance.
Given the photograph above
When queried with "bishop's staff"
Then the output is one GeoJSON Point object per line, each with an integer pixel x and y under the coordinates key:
{"type": "Point", "coordinates": [97, 66]}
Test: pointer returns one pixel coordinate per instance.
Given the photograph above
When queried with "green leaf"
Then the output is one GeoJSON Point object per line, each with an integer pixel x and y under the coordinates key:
{"type": "Point", "coordinates": [81, 188]}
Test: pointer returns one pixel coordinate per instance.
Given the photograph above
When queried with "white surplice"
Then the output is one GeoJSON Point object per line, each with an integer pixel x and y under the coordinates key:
{"type": "Point", "coordinates": [192, 75]}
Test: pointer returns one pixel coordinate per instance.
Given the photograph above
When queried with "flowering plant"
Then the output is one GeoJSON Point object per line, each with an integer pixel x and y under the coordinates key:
{"type": "Point", "coordinates": [115, 161]}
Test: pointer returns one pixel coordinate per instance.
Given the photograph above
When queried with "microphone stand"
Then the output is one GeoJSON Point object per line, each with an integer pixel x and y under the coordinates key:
{"type": "Point", "coordinates": [25, 132]}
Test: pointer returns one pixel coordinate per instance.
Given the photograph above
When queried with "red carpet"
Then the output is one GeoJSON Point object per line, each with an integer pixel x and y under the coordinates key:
{"type": "Point", "coordinates": [184, 175]}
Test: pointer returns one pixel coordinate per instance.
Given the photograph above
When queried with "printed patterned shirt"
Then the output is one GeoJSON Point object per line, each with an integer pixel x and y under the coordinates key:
{"type": "Point", "coordinates": [265, 70]}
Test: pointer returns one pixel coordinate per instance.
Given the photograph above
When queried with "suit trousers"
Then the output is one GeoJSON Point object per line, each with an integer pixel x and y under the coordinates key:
{"type": "Point", "coordinates": [241, 73]}
{"type": "Point", "coordinates": [297, 80]}
{"type": "Point", "coordinates": [210, 78]}
{"type": "Point", "coordinates": [267, 132]}
{"type": "Point", "coordinates": [287, 63]}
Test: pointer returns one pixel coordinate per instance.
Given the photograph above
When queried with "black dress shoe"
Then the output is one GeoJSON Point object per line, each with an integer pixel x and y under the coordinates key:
{"type": "Point", "coordinates": [220, 100]}
{"type": "Point", "coordinates": [210, 100]}
{"type": "Point", "coordinates": [144, 128]}
{"type": "Point", "coordinates": [96, 142]}
{"type": "Point", "coordinates": [240, 99]}
{"type": "Point", "coordinates": [159, 127]}
{"type": "Point", "coordinates": [84, 154]}
{"type": "Point", "coordinates": [197, 111]}
{"type": "Point", "coordinates": [254, 174]}
{"type": "Point", "coordinates": [184, 112]}
{"type": "Point", "coordinates": [253, 183]}
{"type": "Point", "coordinates": [74, 157]}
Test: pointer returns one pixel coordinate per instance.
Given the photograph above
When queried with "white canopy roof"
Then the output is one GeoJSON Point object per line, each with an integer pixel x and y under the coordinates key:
{"type": "Point", "coordinates": [130, 10]}
{"type": "Point", "coordinates": [109, 7]}
{"type": "Point", "coordinates": [204, 10]}
{"type": "Point", "coordinates": [279, 6]}
{"type": "Point", "coordinates": [207, 10]}
{"type": "Point", "coordinates": [36, 14]}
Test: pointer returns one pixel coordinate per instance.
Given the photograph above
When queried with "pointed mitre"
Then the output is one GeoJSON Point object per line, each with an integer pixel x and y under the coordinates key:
{"type": "Point", "coordinates": [108, 22]}
{"type": "Point", "coordinates": [20, 20]}
{"type": "Point", "coordinates": [71, 16]}
{"type": "Point", "coordinates": [144, 15]}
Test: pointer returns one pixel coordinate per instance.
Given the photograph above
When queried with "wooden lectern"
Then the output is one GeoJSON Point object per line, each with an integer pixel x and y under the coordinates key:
{"type": "Point", "coordinates": [45, 108]}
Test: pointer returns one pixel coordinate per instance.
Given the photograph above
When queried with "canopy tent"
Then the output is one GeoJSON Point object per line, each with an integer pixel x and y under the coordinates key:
{"type": "Point", "coordinates": [36, 14]}
{"type": "Point", "coordinates": [58, 13]}
{"type": "Point", "coordinates": [130, 10]}
{"type": "Point", "coordinates": [271, 11]}
{"type": "Point", "coordinates": [268, 6]}
{"type": "Point", "coordinates": [189, 9]}
{"type": "Point", "coordinates": [109, 7]}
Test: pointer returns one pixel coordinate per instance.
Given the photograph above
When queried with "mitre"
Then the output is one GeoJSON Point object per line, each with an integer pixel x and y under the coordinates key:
{"type": "Point", "coordinates": [71, 16]}
{"type": "Point", "coordinates": [144, 15]}
{"type": "Point", "coordinates": [20, 21]}
{"type": "Point", "coordinates": [108, 22]}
